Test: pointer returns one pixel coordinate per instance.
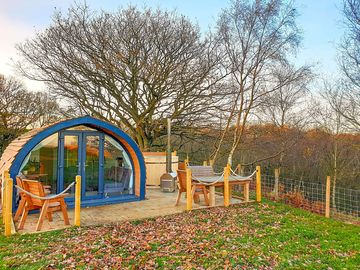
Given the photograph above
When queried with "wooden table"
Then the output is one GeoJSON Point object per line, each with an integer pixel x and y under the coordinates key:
{"type": "Point", "coordinates": [210, 179]}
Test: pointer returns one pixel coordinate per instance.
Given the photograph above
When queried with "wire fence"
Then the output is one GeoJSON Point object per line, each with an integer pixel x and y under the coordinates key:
{"type": "Point", "coordinates": [343, 203]}
{"type": "Point", "coordinates": [311, 196]}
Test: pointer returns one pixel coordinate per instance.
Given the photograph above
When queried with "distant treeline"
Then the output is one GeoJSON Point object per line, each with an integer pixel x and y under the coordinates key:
{"type": "Point", "coordinates": [308, 155]}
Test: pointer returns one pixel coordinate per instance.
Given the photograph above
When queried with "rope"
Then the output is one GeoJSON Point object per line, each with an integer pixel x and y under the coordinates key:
{"type": "Point", "coordinates": [47, 197]}
{"type": "Point", "coordinates": [242, 177]}
{"type": "Point", "coordinates": [208, 183]}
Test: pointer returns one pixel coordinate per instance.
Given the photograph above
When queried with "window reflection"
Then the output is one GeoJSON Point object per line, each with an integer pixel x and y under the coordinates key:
{"type": "Point", "coordinates": [92, 165]}
{"type": "Point", "coordinates": [41, 162]}
{"type": "Point", "coordinates": [118, 176]}
{"type": "Point", "coordinates": [71, 161]}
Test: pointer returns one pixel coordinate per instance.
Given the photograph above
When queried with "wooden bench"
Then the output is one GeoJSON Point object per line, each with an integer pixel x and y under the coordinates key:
{"type": "Point", "coordinates": [203, 172]}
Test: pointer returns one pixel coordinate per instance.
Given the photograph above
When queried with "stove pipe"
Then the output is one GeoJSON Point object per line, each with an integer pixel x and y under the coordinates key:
{"type": "Point", "coordinates": [168, 154]}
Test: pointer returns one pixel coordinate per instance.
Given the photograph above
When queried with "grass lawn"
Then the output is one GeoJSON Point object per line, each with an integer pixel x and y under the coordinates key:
{"type": "Point", "coordinates": [256, 236]}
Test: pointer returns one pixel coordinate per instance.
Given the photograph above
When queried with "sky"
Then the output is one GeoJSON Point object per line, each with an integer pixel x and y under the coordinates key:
{"type": "Point", "coordinates": [319, 20]}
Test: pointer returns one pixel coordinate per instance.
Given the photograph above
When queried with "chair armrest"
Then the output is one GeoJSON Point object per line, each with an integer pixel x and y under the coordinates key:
{"type": "Point", "coordinates": [58, 196]}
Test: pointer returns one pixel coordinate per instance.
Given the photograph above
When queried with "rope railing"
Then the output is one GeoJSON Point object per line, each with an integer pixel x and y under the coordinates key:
{"type": "Point", "coordinates": [232, 176]}
{"type": "Point", "coordinates": [208, 183]}
{"type": "Point", "coordinates": [240, 177]}
{"type": "Point", "coordinates": [47, 197]}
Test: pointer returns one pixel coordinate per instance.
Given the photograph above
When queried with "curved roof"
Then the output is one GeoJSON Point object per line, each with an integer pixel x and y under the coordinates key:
{"type": "Point", "coordinates": [19, 148]}
{"type": "Point", "coordinates": [15, 146]}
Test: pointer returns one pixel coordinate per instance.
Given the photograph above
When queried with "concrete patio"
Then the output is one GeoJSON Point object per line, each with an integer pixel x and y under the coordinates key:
{"type": "Point", "coordinates": [156, 204]}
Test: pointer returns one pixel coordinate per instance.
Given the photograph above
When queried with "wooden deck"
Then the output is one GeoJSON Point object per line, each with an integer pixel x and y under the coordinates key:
{"type": "Point", "coordinates": [156, 204]}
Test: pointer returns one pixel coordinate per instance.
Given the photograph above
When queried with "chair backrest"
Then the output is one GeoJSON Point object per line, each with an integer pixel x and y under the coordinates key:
{"type": "Point", "coordinates": [36, 188]}
{"type": "Point", "coordinates": [181, 176]}
{"type": "Point", "coordinates": [19, 183]}
{"type": "Point", "coordinates": [182, 166]}
{"type": "Point", "coordinates": [202, 170]}
{"type": "Point", "coordinates": [126, 177]}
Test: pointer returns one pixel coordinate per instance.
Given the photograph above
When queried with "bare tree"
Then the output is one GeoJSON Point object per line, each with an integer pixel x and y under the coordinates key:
{"type": "Point", "coordinates": [256, 36]}
{"type": "Point", "coordinates": [346, 99]}
{"type": "Point", "coordinates": [350, 47]}
{"type": "Point", "coordinates": [284, 107]}
{"type": "Point", "coordinates": [133, 68]}
{"type": "Point", "coordinates": [21, 109]}
{"type": "Point", "coordinates": [328, 115]}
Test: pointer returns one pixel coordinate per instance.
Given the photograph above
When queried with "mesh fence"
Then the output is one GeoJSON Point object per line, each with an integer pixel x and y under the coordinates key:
{"type": "Point", "coordinates": [344, 203]}
{"type": "Point", "coordinates": [306, 194]}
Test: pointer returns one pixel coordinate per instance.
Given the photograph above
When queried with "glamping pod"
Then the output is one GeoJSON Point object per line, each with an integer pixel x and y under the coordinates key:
{"type": "Point", "coordinates": [110, 163]}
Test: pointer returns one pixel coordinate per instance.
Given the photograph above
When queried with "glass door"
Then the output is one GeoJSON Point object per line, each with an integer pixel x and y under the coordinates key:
{"type": "Point", "coordinates": [69, 161]}
{"type": "Point", "coordinates": [92, 165]}
{"type": "Point", "coordinates": [81, 153]}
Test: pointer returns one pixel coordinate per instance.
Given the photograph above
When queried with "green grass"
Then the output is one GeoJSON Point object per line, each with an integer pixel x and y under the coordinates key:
{"type": "Point", "coordinates": [256, 236]}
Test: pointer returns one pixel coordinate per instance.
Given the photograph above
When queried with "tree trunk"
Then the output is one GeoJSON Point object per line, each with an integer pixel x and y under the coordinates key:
{"type": "Point", "coordinates": [335, 174]}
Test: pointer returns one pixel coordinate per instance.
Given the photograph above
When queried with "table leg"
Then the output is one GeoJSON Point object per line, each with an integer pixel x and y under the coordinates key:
{"type": "Point", "coordinates": [212, 195]}
{"type": "Point", "coordinates": [246, 192]}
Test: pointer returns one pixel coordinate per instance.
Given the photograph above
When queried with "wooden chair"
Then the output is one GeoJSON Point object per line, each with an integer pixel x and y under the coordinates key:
{"type": "Point", "coordinates": [23, 199]}
{"type": "Point", "coordinates": [197, 189]}
{"type": "Point", "coordinates": [47, 206]}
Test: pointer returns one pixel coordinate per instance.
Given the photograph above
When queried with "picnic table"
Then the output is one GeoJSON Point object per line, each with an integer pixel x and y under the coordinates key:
{"type": "Point", "coordinates": [206, 175]}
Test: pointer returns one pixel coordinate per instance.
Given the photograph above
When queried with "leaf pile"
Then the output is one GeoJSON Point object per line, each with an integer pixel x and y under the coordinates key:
{"type": "Point", "coordinates": [258, 236]}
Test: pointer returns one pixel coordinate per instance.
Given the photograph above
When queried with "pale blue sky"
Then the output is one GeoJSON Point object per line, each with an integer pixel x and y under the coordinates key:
{"type": "Point", "coordinates": [320, 21]}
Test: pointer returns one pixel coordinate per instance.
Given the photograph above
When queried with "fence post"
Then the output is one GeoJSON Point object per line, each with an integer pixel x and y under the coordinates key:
{"type": "Point", "coordinates": [8, 203]}
{"type": "Point", "coordinates": [205, 163]}
{"type": "Point", "coordinates": [276, 186]}
{"type": "Point", "coordinates": [77, 200]}
{"type": "Point", "coordinates": [211, 162]}
{"type": "Point", "coordinates": [327, 202]}
{"type": "Point", "coordinates": [186, 161]}
{"type": "Point", "coordinates": [258, 184]}
{"type": "Point", "coordinates": [242, 169]}
{"type": "Point", "coordinates": [188, 190]}
{"type": "Point", "coordinates": [226, 186]}
{"type": "Point", "coordinates": [3, 195]}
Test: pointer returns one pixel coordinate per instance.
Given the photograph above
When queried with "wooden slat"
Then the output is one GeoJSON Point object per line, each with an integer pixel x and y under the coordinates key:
{"type": "Point", "coordinates": [13, 148]}
{"type": "Point", "coordinates": [5, 163]}
{"type": "Point", "coordinates": [9, 155]}
{"type": "Point", "coordinates": [145, 154]}
{"type": "Point", "coordinates": [202, 170]}
{"type": "Point", "coordinates": [18, 142]}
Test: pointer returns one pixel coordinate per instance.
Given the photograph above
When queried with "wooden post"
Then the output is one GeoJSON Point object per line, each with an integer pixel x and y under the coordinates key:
{"type": "Point", "coordinates": [212, 195]}
{"type": "Point", "coordinates": [226, 186]}
{"type": "Point", "coordinates": [8, 203]}
{"type": "Point", "coordinates": [186, 161]}
{"type": "Point", "coordinates": [205, 163]}
{"type": "Point", "coordinates": [5, 177]}
{"type": "Point", "coordinates": [258, 184]}
{"type": "Point", "coordinates": [3, 194]}
{"type": "Point", "coordinates": [327, 202]}
{"type": "Point", "coordinates": [211, 162]}
{"type": "Point", "coordinates": [238, 169]}
{"type": "Point", "coordinates": [276, 186]}
{"type": "Point", "coordinates": [77, 200]}
{"type": "Point", "coordinates": [188, 190]}
{"type": "Point", "coordinates": [246, 188]}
